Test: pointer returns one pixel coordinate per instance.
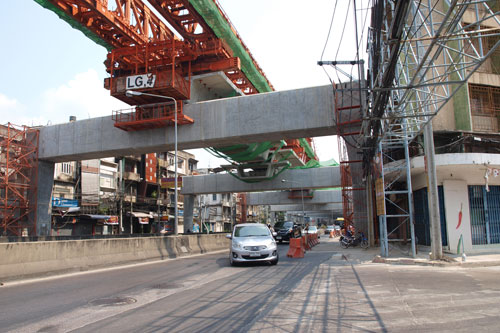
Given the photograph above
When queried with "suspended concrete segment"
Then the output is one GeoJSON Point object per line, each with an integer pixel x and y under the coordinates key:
{"type": "Point", "coordinates": [283, 198]}
{"type": "Point", "coordinates": [273, 116]}
{"type": "Point", "coordinates": [295, 179]}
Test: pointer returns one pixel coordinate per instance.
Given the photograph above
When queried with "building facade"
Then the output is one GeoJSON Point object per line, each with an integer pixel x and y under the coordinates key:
{"type": "Point", "coordinates": [467, 148]}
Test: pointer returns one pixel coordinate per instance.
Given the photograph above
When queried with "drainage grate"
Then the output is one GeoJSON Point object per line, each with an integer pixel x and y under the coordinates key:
{"type": "Point", "coordinates": [112, 301]}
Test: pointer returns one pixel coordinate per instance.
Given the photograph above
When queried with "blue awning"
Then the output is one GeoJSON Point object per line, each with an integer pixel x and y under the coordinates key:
{"type": "Point", "coordinates": [95, 217]}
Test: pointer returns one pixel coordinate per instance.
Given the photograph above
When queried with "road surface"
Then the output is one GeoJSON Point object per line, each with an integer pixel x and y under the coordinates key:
{"type": "Point", "coordinates": [330, 290]}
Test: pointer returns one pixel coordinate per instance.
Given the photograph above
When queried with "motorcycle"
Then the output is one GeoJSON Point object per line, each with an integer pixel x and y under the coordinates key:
{"type": "Point", "coordinates": [360, 239]}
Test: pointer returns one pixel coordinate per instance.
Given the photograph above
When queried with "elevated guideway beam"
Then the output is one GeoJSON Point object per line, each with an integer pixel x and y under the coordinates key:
{"type": "Point", "coordinates": [274, 116]}
{"type": "Point", "coordinates": [283, 198]}
{"type": "Point", "coordinates": [308, 208]}
{"type": "Point", "coordinates": [324, 177]}
{"type": "Point", "coordinates": [297, 179]}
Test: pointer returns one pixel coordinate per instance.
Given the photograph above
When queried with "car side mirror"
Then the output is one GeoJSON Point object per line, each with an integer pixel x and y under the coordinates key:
{"type": "Point", "coordinates": [275, 234]}
{"type": "Point", "coordinates": [229, 236]}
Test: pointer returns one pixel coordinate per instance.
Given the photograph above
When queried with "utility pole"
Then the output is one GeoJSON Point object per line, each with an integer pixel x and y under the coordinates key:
{"type": "Point", "coordinates": [131, 218]}
{"type": "Point", "coordinates": [122, 192]}
{"type": "Point", "coordinates": [432, 194]}
{"type": "Point", "coordinates": [158, 195]}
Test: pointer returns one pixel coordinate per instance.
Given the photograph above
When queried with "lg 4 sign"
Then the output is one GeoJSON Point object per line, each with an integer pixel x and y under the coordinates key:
{"type": "Point", "coordinates": [141, 81]}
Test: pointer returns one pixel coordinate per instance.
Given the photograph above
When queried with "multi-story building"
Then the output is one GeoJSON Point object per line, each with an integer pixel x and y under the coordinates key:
{"type": "Point", "coordinates": [215, 211]}
{"type": "Point", "coordinates": [130, 194]}
{"type": "Point", "coordinates": [65, 203]}
{"type": "Point", "coordinates": [467, 147]}
{"type": "Point", "coordinates": [186, 166]}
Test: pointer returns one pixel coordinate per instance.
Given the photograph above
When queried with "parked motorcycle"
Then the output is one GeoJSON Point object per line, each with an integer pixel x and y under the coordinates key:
{"type": "Point", "coordinates": [360, 239]}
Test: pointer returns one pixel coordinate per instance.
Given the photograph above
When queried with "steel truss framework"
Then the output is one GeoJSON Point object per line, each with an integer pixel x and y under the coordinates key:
{"type": "Point", "coordinates": [18, 180]}
{"type": "Point", "coordinates": [124, 25]}
{"type": "Point", "coordinates": [421, 54]}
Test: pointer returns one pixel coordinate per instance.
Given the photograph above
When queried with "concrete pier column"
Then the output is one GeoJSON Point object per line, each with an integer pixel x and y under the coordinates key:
{"type": "Point", "coordinates": [188, 212]}
{"type": "Point", "coordinates": [44, 198]}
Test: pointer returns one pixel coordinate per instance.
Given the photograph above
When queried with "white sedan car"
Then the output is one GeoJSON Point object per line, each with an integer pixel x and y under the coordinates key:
{"type": "Point", "coordinates": [312, 230]}
{"type": "Point", "coordinates": [252, 242]}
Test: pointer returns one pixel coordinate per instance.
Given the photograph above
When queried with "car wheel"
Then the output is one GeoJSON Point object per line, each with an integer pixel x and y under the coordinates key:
{"type": "Point", "coordinates": [232, 262]}
{"type": "Point", "coordinates": [275, 261]}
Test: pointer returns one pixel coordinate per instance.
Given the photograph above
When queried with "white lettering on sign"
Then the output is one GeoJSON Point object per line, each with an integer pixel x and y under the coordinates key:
{"type": "Point", "coordinates": [141, 81]}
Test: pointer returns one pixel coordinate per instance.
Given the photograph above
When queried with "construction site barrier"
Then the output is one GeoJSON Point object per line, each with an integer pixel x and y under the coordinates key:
{"type": "Point", "coordinates": [295, 250]}
{"type": "Point", "coordinates": [42, 258]}
{"type": "Point", "coordinates": [305, 243]}
{"type": "Point", "coordinates": [310, 241]}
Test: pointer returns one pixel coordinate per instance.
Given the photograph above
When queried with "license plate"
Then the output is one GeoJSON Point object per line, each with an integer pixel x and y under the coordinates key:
{"type": "Point", "coordinates": [254, 254]}
{"type": "Point", "coordinates": [278, 237]}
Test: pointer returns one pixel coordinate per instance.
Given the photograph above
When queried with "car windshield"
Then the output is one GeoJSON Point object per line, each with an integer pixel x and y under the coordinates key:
{"type": "Point", "coordinates": [288, 225]}
{"type": "Point", "coordinates": [313, 228]}
{"type": "Point", "coordinates": [251, 231]}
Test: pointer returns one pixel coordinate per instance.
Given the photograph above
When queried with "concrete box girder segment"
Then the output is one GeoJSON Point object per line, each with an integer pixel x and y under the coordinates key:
{"type": "Point", "coordinates": [271, 116]}
{"type": "Point", "coordinates": [282, 198]}
{"type": "Point", "coordinates": [325, 177]}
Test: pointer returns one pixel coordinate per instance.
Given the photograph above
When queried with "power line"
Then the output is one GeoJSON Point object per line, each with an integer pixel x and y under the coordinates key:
{"type": "Point", "coordinates": [329, 30]}
{"type": "Point", "coordinates": [343, 30]}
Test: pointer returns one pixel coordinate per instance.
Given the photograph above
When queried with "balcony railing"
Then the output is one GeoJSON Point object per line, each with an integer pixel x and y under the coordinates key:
{"type": "Point", "coordinates": [134, 176]}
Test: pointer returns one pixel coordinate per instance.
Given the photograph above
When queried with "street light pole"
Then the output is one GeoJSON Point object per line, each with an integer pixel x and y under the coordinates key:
{"type": "Point", "coordinates": [131, 93]}
{"type": "Point", "coordinates": [302, 196]}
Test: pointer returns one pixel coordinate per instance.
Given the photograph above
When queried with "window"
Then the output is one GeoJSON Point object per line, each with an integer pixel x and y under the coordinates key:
{"type": "Point", "coordinates": [107, 181]}
{"type": "Point", "coordinates": [214, 197]}
{"type": "Point", "coordinates": [66, 168]}
{"type": "Point", "coordinates": [485, 104]}
{"type": "Point", "coordinates": [251, 231]}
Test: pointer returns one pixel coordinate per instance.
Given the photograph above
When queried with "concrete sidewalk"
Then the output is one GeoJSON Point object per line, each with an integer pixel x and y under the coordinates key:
{"type": "Point", "coordinates": [401, 255]}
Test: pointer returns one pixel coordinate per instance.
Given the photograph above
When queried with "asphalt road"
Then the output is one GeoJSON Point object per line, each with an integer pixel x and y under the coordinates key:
{"type": "Point", "coordinates": [327, 291]}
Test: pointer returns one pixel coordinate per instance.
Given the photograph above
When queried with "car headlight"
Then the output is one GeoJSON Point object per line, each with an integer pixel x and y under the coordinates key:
{"type": "Point", "coordinates": [237, 245]}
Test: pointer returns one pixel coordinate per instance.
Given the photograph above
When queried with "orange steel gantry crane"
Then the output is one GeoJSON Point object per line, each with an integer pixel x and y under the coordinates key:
{"type": "Point", "coordinates": [140, 44]}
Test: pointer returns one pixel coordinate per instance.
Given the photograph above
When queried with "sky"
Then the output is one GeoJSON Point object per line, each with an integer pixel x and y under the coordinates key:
{"type": "Point", "coordinates": [51, 71]}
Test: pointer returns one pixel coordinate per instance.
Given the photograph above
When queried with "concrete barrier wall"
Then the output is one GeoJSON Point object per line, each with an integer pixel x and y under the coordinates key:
{"type": "Point", "coordinates": [34, 259]}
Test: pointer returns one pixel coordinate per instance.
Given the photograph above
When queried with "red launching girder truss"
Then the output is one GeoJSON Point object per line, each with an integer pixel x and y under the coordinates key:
{"type": "Point", "coordinates": [130, 23]}
{"type": "Point", "coordinates": [18, 180]}
{"type": "Point", "coordinates": [143, 45]}
{"type": "Point", "coordinates": [169, 62]}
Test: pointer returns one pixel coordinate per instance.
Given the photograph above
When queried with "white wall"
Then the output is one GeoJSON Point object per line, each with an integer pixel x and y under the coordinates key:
{"type": "Point", "coordinates": [455, 172]}
{"type": "Point", "coordinates": [456, 199]}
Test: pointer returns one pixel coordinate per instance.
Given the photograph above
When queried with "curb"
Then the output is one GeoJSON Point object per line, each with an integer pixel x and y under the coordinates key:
{"type": "Point", "coordinates": [438, 263]}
